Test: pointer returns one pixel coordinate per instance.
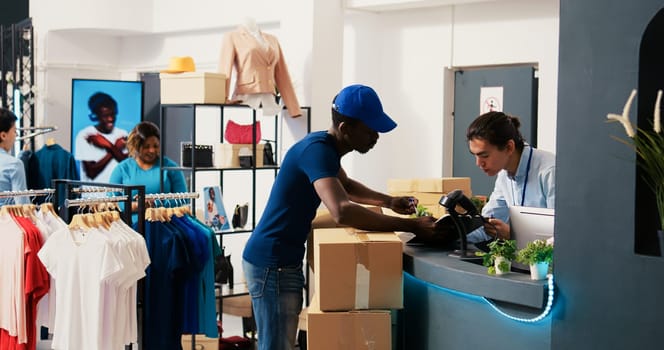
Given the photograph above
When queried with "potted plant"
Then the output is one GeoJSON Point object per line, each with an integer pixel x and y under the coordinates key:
{"type": "Point", "coordinates": [500, 256]}
{"type": "Point", "coordinates": [538, 254]}
{"type": "Point", "coordinates": [649, 147]}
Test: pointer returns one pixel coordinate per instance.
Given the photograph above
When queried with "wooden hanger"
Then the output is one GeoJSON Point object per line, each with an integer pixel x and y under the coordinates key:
{"type": "Point", "coordinates": [78, 222]}
{"type": "Point", "coordinates": [50, 141]}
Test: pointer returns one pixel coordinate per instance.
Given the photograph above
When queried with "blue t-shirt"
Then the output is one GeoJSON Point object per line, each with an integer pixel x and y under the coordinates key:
{"type": "Point", "coordinates": [280, 236]}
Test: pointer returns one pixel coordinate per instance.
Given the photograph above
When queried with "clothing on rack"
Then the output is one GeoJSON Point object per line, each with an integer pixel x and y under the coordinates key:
{"type": "Point", "coordinates": [56, 163]}
{"type": "Point", "coordinates": [96, 262]}
{"type": "Point", "coordinates": [32, 169]}
{"type": "Point", "coordinates": [179, 292]}
{"type": "Point", "coordinates": [24, 279]}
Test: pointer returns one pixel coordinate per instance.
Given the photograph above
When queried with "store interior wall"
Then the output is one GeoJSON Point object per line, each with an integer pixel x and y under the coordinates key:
{"type": "Point", "coordinates": [609, 296]}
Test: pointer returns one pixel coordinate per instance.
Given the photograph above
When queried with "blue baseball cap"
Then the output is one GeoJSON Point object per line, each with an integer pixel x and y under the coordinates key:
{"type": "Point", "coordinates": [361, 102]}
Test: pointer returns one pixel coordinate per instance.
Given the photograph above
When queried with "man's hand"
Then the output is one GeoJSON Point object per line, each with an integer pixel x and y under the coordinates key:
{"type": "Point", "coordinates": [99, 141]}
{"type": "Point", "coordinates": [425, 227]}
{"type": "Point", "coordinates": [403, 205]}
{"type": "Point", "coordinates": [121, 143]}
{"type": "Point", "coordinates": [497, 228]}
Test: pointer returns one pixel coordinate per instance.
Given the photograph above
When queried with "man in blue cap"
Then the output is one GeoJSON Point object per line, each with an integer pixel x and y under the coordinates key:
{"type": "Point", "coordinates": [311, 172]}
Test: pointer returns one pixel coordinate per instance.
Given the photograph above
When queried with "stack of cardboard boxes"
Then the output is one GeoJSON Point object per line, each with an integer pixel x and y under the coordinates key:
{"type": "Point", "coordinates": [358, 280]}
{"type": "Point", "coordinates": [429, 191]}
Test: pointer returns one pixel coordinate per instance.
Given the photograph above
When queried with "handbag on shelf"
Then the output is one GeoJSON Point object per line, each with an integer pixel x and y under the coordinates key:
{"type": "Point", "coordinates": [242, 134]}
{"type": "Point", "coordinates": [223, 269]}
{"type": "Point", "coordinates": [240, 215]}
{"type": "Point", "coordinates": [268, 155]}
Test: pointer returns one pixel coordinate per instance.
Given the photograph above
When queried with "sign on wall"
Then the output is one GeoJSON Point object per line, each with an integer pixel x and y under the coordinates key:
{"type": "Point", "coordinates": [491, 99]}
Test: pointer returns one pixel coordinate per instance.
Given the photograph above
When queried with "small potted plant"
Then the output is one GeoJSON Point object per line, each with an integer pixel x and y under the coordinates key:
{"type": "Point", "coordinates": [500, 256]}
{"type": "Point", "coordinates": [538, 254]}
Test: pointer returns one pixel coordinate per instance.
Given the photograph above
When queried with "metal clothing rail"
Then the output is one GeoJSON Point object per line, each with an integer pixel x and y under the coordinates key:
{"type": "Point", "coordinates": [175, 195]}
{"type": "Point", "coordinates": [72, 189]}
{"type": "Point", "coordinates": [38, 130]}
{"type": "Point", "coordinates": [89, 201]}
{"type": "Point", "coordinates": [27, 193]}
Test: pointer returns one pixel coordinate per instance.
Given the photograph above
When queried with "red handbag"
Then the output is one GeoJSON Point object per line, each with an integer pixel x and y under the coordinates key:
{"type": "Point", "coordinates": [242, 134]}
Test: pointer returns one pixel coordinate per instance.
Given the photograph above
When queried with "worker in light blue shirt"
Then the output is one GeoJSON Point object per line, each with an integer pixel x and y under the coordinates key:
{"type": "Point", "coordinates": [525, 175]}
{"type": "Point", "coordinates": [12, 173]}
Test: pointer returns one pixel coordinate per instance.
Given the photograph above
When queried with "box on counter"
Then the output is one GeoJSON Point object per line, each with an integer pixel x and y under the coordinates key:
{"type": "Point", "coordinates": [358, 269]}
{"type": "Point", "coordinates": [433, 185]}
{"type": "Point", "coordinates": [193, 87]}
{"type": "Point", "coordinates": [323, 219]}
{"type": "Point", "coordinates": [202, 342]}
{"type": "Point", "coordinates": [348, 330]}
{"type": "Point", "coordinates": [227, 155]}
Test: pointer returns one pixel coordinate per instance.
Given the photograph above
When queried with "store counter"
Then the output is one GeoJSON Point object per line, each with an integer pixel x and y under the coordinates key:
{"type": "Point", "coordinates": [454, 304]}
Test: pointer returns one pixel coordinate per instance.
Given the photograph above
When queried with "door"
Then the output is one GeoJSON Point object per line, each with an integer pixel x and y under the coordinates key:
{"type": "Point", "coordinates": [518, 86]}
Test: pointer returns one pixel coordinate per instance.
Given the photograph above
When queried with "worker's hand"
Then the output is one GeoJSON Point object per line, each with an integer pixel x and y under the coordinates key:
{"type": "Point", "coordinates": [497, 228]}
{"type": "Point", "coordinates": [403, 205]}
{"type": "Point", "coordinates": [425, 227]}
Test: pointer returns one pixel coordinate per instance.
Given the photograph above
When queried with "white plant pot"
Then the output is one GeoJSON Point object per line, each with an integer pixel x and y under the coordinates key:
{"type": "Point", "coordinates": [539, 270]}
{"type": "Point", "coordinates": [498, 261]}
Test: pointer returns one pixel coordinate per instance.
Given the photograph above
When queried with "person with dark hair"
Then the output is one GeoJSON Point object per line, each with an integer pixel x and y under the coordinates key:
{"type": "Point", "coordinates": [100, 147]}
{"type": "Point", "coordinates": [525, 175]}
{"type": "Point", "coordinates": [311, 173]}
{"type": "Point", "coordinates": [12, 172]}
{"type": "Point", "coordinates": [142, 167]}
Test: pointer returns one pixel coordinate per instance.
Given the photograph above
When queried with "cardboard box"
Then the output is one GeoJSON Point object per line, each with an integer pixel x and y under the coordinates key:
{"type": "Point", "coordinates": [323, 219]}
{"type": "Point", "coordinates": [227, 155]}
{"type": "Point", "coordinates": [193, 87]}
{"type": "Point", "coordinates": [348, 330]}
{"type": "Point", "coordinates": [358, 269]}
{"type": "Point", "coordinates": [202, 342]}
{"type": "Point", "coordinates": [432, 185]}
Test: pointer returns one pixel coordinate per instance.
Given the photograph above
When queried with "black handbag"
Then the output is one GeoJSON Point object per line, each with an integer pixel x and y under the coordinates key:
{"type": "Point", "coordinates": [240, 215]}
{"type": "Point", "coordinates": [268, 155]}
{"type": "Point", "coordinates": [223, 269]}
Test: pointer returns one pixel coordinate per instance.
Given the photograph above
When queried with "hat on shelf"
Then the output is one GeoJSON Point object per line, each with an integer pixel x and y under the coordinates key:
{"type": "Point", "coordinates": [180, 64]}
{"type": "Point", "coordinates": [361, 102]}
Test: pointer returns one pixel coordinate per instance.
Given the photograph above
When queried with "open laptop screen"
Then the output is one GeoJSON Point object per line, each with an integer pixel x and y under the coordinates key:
{"type": "Point", "coordinates": [529, 224]}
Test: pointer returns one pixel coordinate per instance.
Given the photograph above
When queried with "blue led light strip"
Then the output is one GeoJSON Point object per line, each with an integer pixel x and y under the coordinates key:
{"type": "Point", "coordinates": [544, 313]}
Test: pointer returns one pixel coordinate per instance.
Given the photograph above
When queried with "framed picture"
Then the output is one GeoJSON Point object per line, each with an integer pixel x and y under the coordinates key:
{"type": "Point", "coordinates": [214, 212]}
{"type": "Point", "coordinates": [102, 114]}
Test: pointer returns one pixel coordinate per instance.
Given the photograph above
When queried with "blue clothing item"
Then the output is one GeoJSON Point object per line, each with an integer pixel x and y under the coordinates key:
{"type": "Point", "coordinates": [56, 163]}
{"type": "Point", "coordinates": [128, 172]}
{"type": "Point", "coordinates": [207, 302]}
{"type": "Point", "coordinates": [509, 191]}
{"type": "Point", "coordinates": [201, 254]}
{"type": "Point", "coordinates": [12, 178]}
{"type": "Point", "coordinates": [164, 287]}
{"type": "Point", "coordinates": [276, 298]}
{"type": "Point", "coordinates": [280, 236]}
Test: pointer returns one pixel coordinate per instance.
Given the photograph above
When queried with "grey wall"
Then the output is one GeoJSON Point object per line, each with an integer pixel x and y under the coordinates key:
{"type": "Point", "coordinates": [610, 297]}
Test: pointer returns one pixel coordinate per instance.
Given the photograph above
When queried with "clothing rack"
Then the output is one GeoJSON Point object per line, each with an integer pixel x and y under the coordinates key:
{"type": "Point", "coordinates": [67, 196]}
{"type": "Point", "coordinates": [27, 193]}
{"type": "Point", "coordinates": [69, 192]}
{"type": "Point", "coordinates": [36, 130]}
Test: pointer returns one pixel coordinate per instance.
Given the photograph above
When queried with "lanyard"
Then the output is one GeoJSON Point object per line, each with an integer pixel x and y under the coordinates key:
{"type": "Point", "coordinates": [525, 181]}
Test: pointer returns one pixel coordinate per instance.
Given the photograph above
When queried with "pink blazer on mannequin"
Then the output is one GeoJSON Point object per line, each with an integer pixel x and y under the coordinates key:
{"type": "Point", "coordinates": [259, 69]}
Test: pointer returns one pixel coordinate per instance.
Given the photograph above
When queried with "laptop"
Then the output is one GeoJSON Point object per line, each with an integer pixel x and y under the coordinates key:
{"type": "Point", "coordinates": [529, 224]}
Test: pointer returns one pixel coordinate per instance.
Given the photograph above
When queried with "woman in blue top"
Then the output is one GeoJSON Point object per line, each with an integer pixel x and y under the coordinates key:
{"type": "Point", "coordinates": [525, 175]}
{"type": "Point", "coordinates": [142, 167]}
{"type": "Point", "coordinates": [12, 172]}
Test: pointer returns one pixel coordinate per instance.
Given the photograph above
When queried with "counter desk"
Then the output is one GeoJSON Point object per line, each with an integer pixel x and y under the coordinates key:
{"type": "Point", "coordinates": [455, 304]}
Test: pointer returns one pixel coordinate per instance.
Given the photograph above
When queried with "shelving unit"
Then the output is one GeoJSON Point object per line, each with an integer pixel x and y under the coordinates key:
{"type": "Point", "coordinates": [179, 122]}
